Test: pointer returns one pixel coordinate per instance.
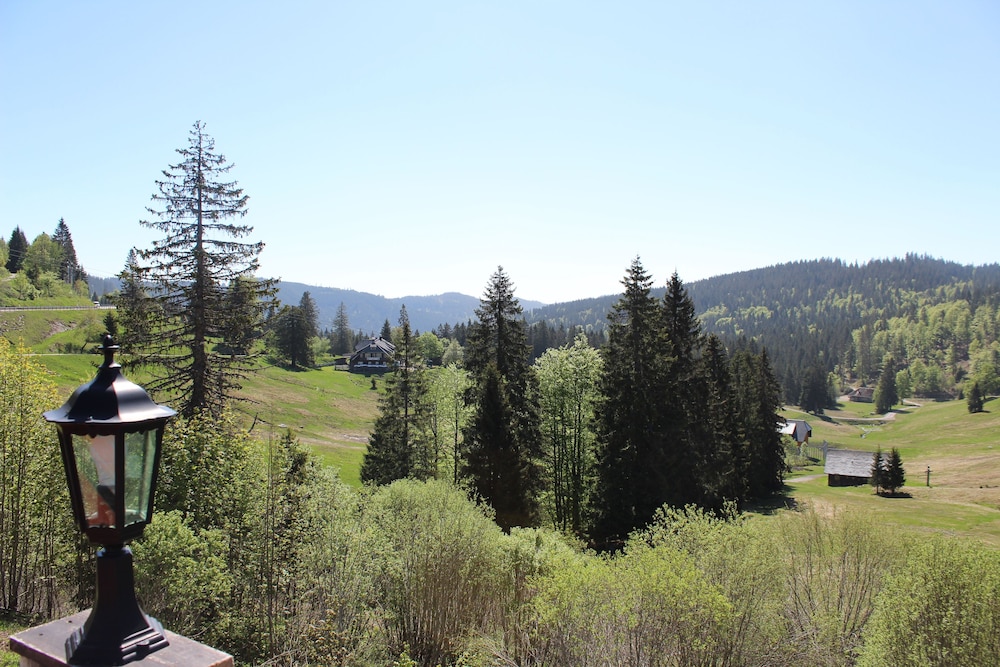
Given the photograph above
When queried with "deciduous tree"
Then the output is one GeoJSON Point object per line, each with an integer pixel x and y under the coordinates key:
{"type": "Point", "coordinates": [567, 378]}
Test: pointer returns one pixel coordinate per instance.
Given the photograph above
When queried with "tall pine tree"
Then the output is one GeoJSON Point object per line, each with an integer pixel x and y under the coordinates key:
{"type": "Point", "coordinates": [70, 270]}
{"type": "Point", "coordinates": [187, 274]}
{"type": "Point", "coordinates": [630, 440]}
{"type": "Point", "coordinates": [17, 249]}
{"type": "Point", "coordinates": [503, 438]}
{"type": "Point", "coordinates": [686, 439]}
{"type": "Point", "coordinates": [398, 446]}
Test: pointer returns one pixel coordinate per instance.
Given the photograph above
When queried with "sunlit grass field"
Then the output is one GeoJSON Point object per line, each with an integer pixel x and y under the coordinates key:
{"type": "Point", "coordinates": [962, 451]}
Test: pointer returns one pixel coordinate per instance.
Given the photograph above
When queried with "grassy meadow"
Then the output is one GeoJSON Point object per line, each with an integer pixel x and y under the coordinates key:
{"type": "Point", "coordinates": [961, 449]}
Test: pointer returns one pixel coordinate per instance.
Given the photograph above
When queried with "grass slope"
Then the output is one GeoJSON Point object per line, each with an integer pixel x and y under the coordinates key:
{"type": "Point", "coordinates": [331, 411]}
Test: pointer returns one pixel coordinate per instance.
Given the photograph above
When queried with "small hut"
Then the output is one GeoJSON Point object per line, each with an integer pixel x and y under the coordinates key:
{"type": "Point", "coordinates": [847, 467]}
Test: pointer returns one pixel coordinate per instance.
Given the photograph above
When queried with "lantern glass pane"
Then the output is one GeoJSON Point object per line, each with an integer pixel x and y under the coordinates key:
{"type": "Point", "coordinates": [140, 450]}
{"type": "Point", "coordinates": [95, 463]}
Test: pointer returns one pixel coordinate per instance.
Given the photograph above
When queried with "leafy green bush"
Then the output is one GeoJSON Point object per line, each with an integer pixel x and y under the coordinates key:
{"type": "Point", "coordinates": [181, 576]}
{"type": "Point", "coordinates": [446, 575]}
{"type": "Point", "coordinates": [939, 609]}
{"type": "Point", "coordinates": [649, 606]}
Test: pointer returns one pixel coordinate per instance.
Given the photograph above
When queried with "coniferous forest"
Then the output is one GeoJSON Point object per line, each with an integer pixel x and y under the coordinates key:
{"type": "Point", "coordinates": [565, 486]}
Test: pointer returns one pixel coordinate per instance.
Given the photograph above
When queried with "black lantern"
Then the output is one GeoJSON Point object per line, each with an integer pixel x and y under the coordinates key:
{"type": "Point", "coordinates": [110, 434]}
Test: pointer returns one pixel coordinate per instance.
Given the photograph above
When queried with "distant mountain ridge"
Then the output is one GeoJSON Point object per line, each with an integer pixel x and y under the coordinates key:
{"type": "Point", "coordinates": [367, 312]}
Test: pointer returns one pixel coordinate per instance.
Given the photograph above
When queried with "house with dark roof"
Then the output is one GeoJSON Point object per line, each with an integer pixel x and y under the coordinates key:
{"type": "Point", "coordinates": [847, 467]}
{"type": "Point", "coordinates": [862, 395]}
{"type": "Point", "coordinates": [374, 355]}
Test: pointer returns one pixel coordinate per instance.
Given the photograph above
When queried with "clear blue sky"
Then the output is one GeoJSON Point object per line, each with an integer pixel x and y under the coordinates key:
{"type": "Point", "coordinates": [411, 148]}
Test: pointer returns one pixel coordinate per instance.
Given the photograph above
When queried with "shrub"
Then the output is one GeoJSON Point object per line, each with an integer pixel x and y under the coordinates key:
{"type": "Point", "coordinates": [649, 606]}
{"type": "Point", "coordinates": [939, 609]}
{"type": "Point", "coordinates": [835, 568]}
{"type": "Point", "coordinates": [446, 576]}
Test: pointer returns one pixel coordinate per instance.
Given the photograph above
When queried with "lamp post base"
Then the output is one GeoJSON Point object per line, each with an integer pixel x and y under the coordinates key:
{"type": "Point", "coordinates": [117, 631]}
{"type": "Point", "coordinates": [84, 649]}
{"type": "Point", "coordinates": [44, 646]}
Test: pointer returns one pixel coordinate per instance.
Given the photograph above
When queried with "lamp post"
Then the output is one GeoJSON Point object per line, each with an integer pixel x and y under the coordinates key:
{"type": "Point", "coordinates": [110, 435]}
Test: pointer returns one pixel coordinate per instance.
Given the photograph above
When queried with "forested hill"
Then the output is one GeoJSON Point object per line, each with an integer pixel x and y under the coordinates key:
{"type": "Point", "coordinates": [367, 312]}
{"type": "Point", "coordinates": [826, 314]}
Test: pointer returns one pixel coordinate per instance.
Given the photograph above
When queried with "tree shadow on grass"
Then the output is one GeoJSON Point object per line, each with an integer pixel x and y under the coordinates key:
{"type": "Point", "coordinates": [897, 494]}
{"type": "Point", "coordinates": [775, 503]}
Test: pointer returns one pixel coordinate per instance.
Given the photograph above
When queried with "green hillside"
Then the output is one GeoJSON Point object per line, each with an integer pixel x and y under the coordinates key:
{"type": "Point", "coordinates": [961, 449]}
{"type": "Point", "coordinates": [329, 410]}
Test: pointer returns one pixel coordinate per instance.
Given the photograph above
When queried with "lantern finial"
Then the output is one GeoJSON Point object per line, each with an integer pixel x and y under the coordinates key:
{"type": "Point", "coordinates": [108, 347]}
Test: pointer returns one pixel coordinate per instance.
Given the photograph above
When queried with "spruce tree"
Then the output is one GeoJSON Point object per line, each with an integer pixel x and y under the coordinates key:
{"type": "Point", "coordinates": [974, 399]}
{"type": "Point", "coordinates": [70, 270]}
{"type": "Point", "coordinates": [310, 315]}
{"type": "Point", "coordinates": [759, 401]}
{"type": "Point", "coordinates": [398, 446]}
{"type": "Point", "coordinates": [631, 473]}
{"type": "Point", "coordinates": [885, 393]}
{"type": "Point", "coordinates": [502, 439]}
{"type": "Point", "coordinates": [814, 394]}
{"type": "Point", "coordinates": [722, 477]}
{"type": "Point", "coordinates": [342, 338]}
{"type": "Point", "coordinates": [895, 475]}
{"type": "Point", "coordinates": [17, 249]}
{"type": "Point", "coordinates": [877, 476]}
{"type": "Point", "coordinates": [290, 331]}
{"type": "Point", "coordinates": [187, 274]}
{"type": "Point", "coordinates": [686, 439]}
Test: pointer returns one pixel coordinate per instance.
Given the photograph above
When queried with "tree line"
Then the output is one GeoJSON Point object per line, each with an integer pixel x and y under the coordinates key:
{"type": "Point", "coordinates": [593, 440]}
{"type": "Point", "coordinates": [45, 268]}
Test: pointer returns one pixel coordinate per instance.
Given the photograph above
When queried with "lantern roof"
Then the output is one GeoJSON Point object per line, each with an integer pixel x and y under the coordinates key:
{"type": "Point", "coordinates": [109, 399]}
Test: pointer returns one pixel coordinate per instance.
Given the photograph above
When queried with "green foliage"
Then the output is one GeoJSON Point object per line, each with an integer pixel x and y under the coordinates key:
{"type": "Point", "coordinates": [35, 524]}
{"type": "Point", "coordinates": [742, 560]}
{"type": "Point", "coordinates": [834, 570]}
{"type": "Point", "coordinates": [446, 575]}
{"type": "Point", "coordinates": [567, 379]}
{"type": "Point", "coordinates": [209, 471]}
{"type": "Point", "coordinates": [43, 256]}
{"type": "Point", "coordinates": [182, 575]}
{"type": "Point", "coordinates": [649, 606]}
{"type": "Point", "coordinates": [938, 609]}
